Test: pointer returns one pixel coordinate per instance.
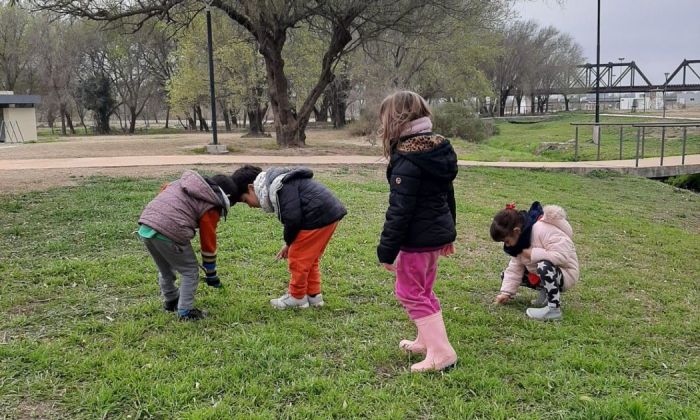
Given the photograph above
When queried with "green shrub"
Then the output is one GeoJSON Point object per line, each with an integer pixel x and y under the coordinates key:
{"type": "Point", "coordinates": [688, 182]}
{"type": "Point", "coordinates": [454, 120]}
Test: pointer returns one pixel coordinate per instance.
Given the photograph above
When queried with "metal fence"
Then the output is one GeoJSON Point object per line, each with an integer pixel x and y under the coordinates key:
{"type": "Point", "coordinates": [642, 135]}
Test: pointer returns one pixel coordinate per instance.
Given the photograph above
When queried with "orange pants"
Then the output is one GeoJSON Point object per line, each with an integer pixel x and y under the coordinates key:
{"type": "Point", "coordinates": [304, 255]}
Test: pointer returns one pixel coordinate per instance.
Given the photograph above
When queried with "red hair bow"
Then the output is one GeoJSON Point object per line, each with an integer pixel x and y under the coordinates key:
{"type": "Point", "coordinates": [510, 206]}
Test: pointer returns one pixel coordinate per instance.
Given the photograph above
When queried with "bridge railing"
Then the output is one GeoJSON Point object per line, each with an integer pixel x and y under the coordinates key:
{"type": "Point", "coordinates": [641, 131]}
{"type": "Point", "coordinates": [642, 141]}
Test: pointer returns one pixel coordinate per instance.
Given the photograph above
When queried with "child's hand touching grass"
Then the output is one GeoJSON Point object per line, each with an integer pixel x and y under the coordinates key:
{"type": "Point", "coordinates": [501, 299]}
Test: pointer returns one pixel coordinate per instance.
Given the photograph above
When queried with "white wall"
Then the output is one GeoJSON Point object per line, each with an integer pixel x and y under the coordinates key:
{"type": "Point", "coordinates": [25, 118]}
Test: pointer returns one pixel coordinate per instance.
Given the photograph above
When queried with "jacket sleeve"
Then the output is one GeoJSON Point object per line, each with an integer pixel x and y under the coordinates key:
{"type": "Point", "coordinates": [556, 245]}
{"type": "Point", "coordinates": [404, 186]}
{"type": "Point", "coordinates": [512, 277]}
{"type": "Point", "coordinates": [290, 211]}
{"type": "Point", "coordinates": [207, 237]}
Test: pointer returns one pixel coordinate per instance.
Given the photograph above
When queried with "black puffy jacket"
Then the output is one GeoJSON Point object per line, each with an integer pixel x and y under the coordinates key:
{"type": "Point", "coordinates": [306, 204]}
{"type": "Point", "coordinates": [421, 213]}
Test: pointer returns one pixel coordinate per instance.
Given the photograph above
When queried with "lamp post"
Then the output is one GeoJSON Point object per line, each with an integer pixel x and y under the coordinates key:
{"type": "Point", "coordinates": [597, 72]}
{"type": "Point", "coordinates": [596, 126]}
{"type": "Point", "coordinates": [212, 93]}
{"type": "Point", "coordinates": [664, 94]}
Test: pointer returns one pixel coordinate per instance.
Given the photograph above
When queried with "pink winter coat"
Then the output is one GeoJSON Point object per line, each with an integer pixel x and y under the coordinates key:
{"type": "Point", "coordinates": [551, 240]}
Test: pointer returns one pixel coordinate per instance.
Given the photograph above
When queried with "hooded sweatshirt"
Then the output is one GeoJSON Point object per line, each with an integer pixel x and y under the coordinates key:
{"type": "Point", "coordinates": [552, 240]}
{"type": "Point", "coordinates": [422, 213]}
{"type": "Point", "coordinates": [298, 201]}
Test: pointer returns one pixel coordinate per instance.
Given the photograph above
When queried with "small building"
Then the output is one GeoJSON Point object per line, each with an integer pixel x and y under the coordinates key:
{"type": "Point", "coordinates": [18, 117]}
{"type": "Point", "coordinates": [688, 99]}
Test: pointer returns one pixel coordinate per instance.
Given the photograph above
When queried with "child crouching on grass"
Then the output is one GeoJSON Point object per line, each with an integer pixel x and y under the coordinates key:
{"type": "Point", "coordinates": [309, 212]}
{"type": "Point", "coordinates": [543, 256]}
{"type": "Point", "coordinates": [168, 224]}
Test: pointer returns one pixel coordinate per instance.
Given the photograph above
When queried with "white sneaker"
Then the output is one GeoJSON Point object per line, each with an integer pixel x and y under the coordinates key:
{"type": "Point", "coordinates": [544, 314]}
{"type": "Point", "coordinates": [316, 301]}
{"type": "Point", "coordinates": [288, 301]}
{"type": "Point", "coordinates": [541, 298]}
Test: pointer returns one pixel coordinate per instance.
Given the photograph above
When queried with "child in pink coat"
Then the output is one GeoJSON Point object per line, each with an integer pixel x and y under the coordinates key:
{"type": "Point", "coordinates": [543, 256]}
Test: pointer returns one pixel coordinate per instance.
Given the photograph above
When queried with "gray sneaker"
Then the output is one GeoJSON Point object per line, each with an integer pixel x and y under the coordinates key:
{"type": "Point", "coordinates": [316, 301]}
{"type": "Point", "coordinates": [288, 301]}
{"type": "Point", "coordinates": [544, 314]}
{"type": "Point", "coordinates": [541, 298]}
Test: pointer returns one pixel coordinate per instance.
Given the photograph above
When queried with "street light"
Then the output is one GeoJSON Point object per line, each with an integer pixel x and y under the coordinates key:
{"type": "Point", "coordinates": [212, 93]}
{"type": "Point", "coordinates": [596, 127]}
{"type": "Point", "coordinates": [597, 74]}
{"type": "Point", "coordinates": [664, 94]}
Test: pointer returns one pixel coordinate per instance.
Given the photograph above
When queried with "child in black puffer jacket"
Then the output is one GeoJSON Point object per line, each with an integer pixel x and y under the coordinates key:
{"type": "Point", "coordinates": [310, 213]}
{"type": "Point", "coordinates": [420, 220]}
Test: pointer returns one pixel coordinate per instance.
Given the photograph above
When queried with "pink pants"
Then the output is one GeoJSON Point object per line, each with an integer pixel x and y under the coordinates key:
{"type": "Point", "coordinates": [415, 275]}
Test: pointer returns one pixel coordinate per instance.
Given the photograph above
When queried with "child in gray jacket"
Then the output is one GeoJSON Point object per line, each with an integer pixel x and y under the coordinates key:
{"type": "Point", "coordinates": [168, 224]}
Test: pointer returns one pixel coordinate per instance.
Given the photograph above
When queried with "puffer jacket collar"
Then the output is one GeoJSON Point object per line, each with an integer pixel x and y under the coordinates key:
{"type": "Point", "coordinates": [432, 153]}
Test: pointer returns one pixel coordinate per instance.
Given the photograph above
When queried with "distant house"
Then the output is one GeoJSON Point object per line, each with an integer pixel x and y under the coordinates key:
{"type": "Point", "coordinates": [17, 117]}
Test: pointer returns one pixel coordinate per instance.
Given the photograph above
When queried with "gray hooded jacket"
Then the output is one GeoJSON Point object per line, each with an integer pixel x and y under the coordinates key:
{"type": "Point", "coordinates": [176, 211]}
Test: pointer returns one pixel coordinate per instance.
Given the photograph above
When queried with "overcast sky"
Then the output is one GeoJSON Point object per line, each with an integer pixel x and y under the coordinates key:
{"type": "Point", "coordinates": [656, 34]}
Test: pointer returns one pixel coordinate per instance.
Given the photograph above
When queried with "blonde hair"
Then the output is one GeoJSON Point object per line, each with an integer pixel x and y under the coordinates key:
{"type": "Point", "coordinates": [396, 112]}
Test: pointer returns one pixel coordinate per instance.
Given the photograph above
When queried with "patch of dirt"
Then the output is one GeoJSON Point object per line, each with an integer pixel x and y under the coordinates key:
{"type": "Point", "coordinates": [36, 410]}
{"type": "Point", "coordinates": [26, 308]}
{"type": "Point", "coordinates": [318, 142]}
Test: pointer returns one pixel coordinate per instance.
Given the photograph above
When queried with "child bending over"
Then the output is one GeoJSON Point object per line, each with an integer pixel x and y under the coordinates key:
{"type": "Point", "coordinates": [309, 213]}
{"type": "Point", "coordinates": [168, 224]}
{"type": "Point", "coordinates": [543, 256]}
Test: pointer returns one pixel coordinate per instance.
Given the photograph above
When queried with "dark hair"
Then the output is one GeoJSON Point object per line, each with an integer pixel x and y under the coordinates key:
{"type": "Point", "coordinates": [227, 185]}
{"type": "Point", "coordinates": [242, 177]}
{"type": "Point", "coordinates": [504, 222]}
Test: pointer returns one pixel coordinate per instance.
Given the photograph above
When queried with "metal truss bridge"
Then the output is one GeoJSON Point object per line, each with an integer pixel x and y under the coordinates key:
{"type": "Point", "coordinates": [630, 79]}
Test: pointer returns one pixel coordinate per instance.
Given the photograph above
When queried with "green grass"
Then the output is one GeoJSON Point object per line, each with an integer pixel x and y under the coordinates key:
{"type": "Point", "coordinates": [520, 142]}
{"type": "Point", "coordinates": [83, 334]}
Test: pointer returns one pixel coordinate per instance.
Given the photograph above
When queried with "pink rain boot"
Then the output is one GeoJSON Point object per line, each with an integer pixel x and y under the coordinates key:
{"type": "Point", "coordinates": [440, 354]}
{"type": "Point", "coordinates": [416, 346]}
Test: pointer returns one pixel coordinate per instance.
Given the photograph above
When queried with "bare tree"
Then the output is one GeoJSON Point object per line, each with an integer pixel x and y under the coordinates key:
{"type": "Point", "coordinates": [507, 72]}
{"type": "Point", "coordinates": [59, 66]}
{"type": "Point", "coordinates": [159, 60]}
{"type": "Point", "coordinates": [15, 44]}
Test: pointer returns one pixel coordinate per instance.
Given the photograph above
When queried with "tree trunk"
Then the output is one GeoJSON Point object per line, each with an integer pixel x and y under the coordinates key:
{"type": "Point", "coordinates": [81, 115]}
{"type": "Point", "coordinates": [519, 100]}
{"type": "Point", "coordinates": [566, 103]}
{"type": "Point", "coordinates": [321, 110]}
{"type": "Point", "coordinates": [132, 119]}
{"type": "Point", "coordinates": [338, 102]}
{"type": "Point", "coordinates": [256, 116]}
{"type": "Point", "coordinates": [532, 104]}
{"type": "Point", "coordinates": [69, 121]}
{"type": "Point", "coordinates": [62, 111]}
{"type": "Point", "coordinates": [502, 102]}
{"type": "Point", "coordinates": [289, 133]}
{"type": "Point", "coordinates": [51, 119]}
{"type": "Point", "coordinates": [203, 126]}
{"type": "Point", "coordinates": [167, 116]}
{"type": "Point", "coordinates": [227, 120]}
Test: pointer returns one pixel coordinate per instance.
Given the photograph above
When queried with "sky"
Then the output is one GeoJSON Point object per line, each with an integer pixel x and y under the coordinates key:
{"type": "Point", "coordinates": [656, 34]}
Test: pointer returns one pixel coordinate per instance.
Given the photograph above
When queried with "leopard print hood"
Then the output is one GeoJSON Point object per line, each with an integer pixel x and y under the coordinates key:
{"type": "Point", "coordinates": [432, 153]}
